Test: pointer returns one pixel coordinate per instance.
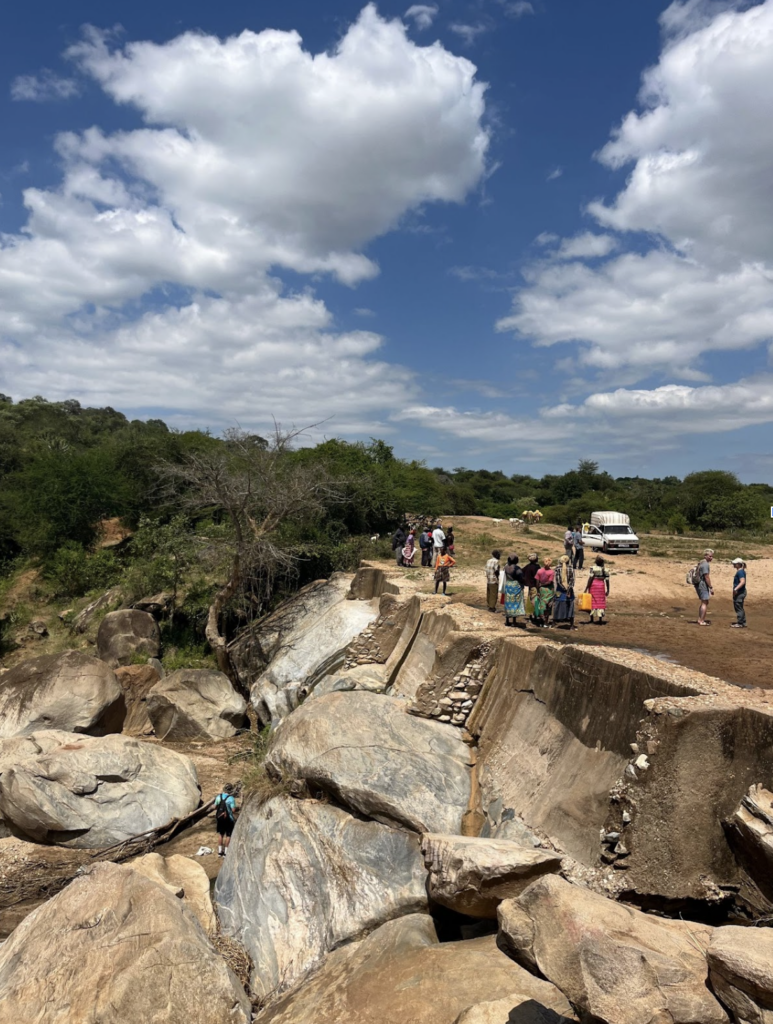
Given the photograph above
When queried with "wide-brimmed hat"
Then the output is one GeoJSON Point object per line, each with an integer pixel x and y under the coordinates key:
{"type": "Point", "coordinates": [737, 561]}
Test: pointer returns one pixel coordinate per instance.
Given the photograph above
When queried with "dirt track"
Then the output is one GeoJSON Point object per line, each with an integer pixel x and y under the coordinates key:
{"type": "Point", "coordinates": [650, 609]}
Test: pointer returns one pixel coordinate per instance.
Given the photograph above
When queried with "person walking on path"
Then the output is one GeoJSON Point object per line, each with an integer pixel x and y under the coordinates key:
{"type": "Point", "coordinates": [739, 593]}
{"type": "Point", "coordinates": [704, 587]}
{"type": "Point", "coordinates": [410, 549]}
{"type": "Point", "coordinates": [598, 588]}
{"type": "Point", "coordinates": [563, 605]}
{"type": "Point", "coordinates": [492, 580]}
{"type": "Point", "coordinates": [398, 543]}
{"type": "Point", "coordinates": [450, 540]}
{"type": "Point", "coordinates": [579, 548]}
{"type": "Point", "coordinates": [530, 571]}
{"type": "Point", "coordinates": [443, 568]}
{"type": "Point", "coordinates": [511, 585]}
{"type": "Point", "coordinates": [543, 600]}
{"type": "Point", "coordinates": [225, 817]}
{"type": "Point", "coordinates": [438, 541]}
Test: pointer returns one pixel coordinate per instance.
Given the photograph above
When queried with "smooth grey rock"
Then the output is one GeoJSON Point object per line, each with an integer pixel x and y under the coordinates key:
{"type": "Point", "coordinates": [69, 691]}
{"type": "Point", "coordinates": [401, 974]}
{"type": "Point", "coordinates": [125, 633]}
{"type": "Point", "coordinates": [110, 599]}
{"type": "Point", "coordinates": [116, 948]}
{"type": "Point", "coordinates": [91, 792]}
{"type": "Point", "coordinates": [310, 649]}
{"type": "Point", "coordinates": [741, 972]}
{"type": "Point", "coordinates": [302, 877]}
{"type": "Point", "coordinates": [473, 875]}
{"type": "Point", "coordinates": [375, 758]}
{"type": "Point", "coordinates": [195, 703]}
{"type": "Point", "coordinates": [360, 677]}
{"type": "Point", "coordinates": [614, 964]}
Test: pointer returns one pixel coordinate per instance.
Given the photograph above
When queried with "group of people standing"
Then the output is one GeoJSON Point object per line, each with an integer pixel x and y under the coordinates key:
{"type": "Point", "coordinates": [436, 546]}
{"type": "Point", "coordinates": [705, 589]}
{"type": "Point", "coordinates": [541, 594]}
{"type": "Point", "coordinates": [574, 546]}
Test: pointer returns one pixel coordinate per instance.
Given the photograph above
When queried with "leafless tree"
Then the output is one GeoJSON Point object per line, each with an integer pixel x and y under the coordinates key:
{"type": "Point", "coordinates": [256, 485]}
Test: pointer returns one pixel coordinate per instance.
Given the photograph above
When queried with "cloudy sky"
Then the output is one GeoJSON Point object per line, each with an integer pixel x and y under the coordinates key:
{"type": "Point", "coordinates": [492, 232]}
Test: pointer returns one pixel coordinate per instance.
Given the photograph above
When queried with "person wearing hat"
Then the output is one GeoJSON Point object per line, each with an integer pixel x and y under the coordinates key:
{"type": "Point", "coordinates": [739, 593]}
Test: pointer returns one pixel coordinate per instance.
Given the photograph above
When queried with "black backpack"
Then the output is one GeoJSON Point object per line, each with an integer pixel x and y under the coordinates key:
{"type": "Point", "coordinates": [222, 814]}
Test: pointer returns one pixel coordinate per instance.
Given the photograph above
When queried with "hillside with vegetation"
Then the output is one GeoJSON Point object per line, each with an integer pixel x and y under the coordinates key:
{"type": "Point", "coordinates": [227, 525]}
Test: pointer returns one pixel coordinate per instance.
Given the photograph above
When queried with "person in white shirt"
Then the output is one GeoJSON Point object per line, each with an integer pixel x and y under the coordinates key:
{"type": "Point", "coordinates": [438, 540]}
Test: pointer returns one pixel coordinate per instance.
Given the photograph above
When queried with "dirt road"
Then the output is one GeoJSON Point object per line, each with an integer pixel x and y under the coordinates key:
{"type": "Point", "coordinates": [651, 609]}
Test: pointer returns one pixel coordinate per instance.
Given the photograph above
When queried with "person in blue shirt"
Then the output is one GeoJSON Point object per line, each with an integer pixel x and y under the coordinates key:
{"type": "Point", "coordinates": [225, 817]}
{"type": "Point", "coordinates": [739, 593]}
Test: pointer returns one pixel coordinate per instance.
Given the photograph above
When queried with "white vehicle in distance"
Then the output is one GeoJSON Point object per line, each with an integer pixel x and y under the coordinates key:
{"type": "Point", "coordinates": [611, 532]}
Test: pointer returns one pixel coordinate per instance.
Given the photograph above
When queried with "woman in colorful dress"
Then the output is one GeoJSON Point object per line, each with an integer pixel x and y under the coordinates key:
{"type": "Point", "coordinates": [443, 568]}
{"type": "Point", "coordinates": [598, 588]}
{"type": "Point", "coordinates": [511, 586]}
{"type": "Point", "coordinates": [543, 599]}
{"type": "Point", "coordinates": [563, 605]}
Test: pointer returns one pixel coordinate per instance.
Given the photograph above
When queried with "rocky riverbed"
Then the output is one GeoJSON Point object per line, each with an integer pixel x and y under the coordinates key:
{"type": "Point", "coordinates": [452, 826]}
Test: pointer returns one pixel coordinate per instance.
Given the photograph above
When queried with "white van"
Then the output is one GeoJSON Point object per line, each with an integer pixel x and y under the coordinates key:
{"type": "Point", "coordinates": [611, 532]}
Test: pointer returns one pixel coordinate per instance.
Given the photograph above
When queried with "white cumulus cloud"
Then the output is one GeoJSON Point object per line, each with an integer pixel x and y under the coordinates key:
{"type": "Point", "coordinates": [43, 87]}
{"type": "Point", "coordinates": [255, 154]}
{"type": "Point", "coordinates": [422, 14]}
{"type": "Point", "coordinates": [698, 273]}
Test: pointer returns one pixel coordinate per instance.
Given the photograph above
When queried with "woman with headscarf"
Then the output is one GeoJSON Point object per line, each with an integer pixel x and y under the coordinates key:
{"type": "Point", "coordinates": [543, 599]}
{"type": "Point", "coordinates": [563, 605]}
{"type": "Point", "coordinates": [410, 549]}
{"type": "Point", "coordinates": [511, 586]}
{"type": "Point", "coordinates": [598, 588]}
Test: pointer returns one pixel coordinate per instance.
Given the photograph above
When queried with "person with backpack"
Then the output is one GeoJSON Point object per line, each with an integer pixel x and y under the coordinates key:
{"type": "Point", "coordinates": [701, 576]}
{"type": "Point", "coordinates": [225, 817]}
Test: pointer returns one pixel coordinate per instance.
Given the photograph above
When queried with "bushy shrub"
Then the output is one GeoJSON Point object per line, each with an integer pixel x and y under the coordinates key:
{"type": "Point", "coordinates": [73, 571]}
{"type": "Point", "coordinates": [677, 523]}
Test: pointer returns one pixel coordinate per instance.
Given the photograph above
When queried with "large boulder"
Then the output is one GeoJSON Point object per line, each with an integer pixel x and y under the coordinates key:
{"type": "Point", "coordinates": [114, 948]}
{"type": "Point", "coordinates": [308, 644]}
{"type": "Point", "coordinates": [91, 792]}
{"type": "Point", "coordinates": [614, 964]}
{"type": "Point", "coordinates": [473, 876]}
{"type": "Point", "coordinates": [302, 877]}
{"type": "Point", "coordinates": [185, 879]}
{"type": "Point", "coordinates": [69, 691]}
{"type": "Point", "coordinates": [741, 972]}
{"type": "Point", "coordinates": [84, 618]}
{"type": "Point", "coordinates": [125, 633]}
{"type": "Point", "coordinates": [195, 704]}
{"type": "Point", "coordinates": [510, 1011]}
{"type": "Point", "coordinates": [375, 758]}
{"type": "Point", "coordinates": [750, 831]}
{"type": "Point", "coordinates": [401, 974]}
{"type": "Point", "coordinates": [137, 681]}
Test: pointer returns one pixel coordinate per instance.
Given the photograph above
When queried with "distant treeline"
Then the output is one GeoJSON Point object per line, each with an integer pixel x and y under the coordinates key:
{"type": "Point", "coordinates": [64, 468]}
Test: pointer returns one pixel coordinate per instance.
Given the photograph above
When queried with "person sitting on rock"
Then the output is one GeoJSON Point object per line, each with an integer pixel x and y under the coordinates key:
{"type": "Point", "coordinates": [225, 817]}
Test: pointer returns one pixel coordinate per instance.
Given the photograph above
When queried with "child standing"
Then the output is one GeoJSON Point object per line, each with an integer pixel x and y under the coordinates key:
{"type": "Point", "coordinates": [443, 568]}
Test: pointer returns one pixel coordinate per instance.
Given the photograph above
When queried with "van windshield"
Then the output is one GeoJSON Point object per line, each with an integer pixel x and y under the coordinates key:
{"type": "Point", "coordinates": [617, 529]}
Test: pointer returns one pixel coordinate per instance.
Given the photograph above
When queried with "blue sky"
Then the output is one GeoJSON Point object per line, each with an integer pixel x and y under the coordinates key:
{"type": "Point", "coordinates": [495, 233]}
